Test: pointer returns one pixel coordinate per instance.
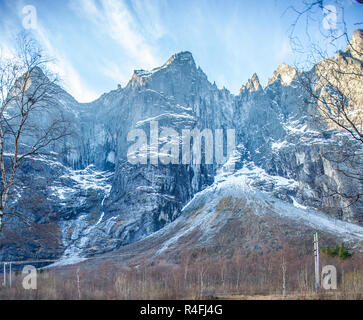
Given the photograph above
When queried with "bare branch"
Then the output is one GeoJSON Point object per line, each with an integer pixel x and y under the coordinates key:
{"type": "Point", "coordinates": [30, 120]}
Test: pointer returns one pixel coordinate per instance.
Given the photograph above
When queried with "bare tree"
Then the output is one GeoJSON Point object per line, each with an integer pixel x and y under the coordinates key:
{"type": "Point", "coordinates": [334, 83]}
{"type": "Point", "coordinates": [30, 121]}
{"type": "Point", "coordinates": [335, 80]}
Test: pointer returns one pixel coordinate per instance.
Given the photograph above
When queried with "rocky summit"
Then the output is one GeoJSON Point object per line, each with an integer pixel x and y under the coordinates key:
{"type": "Point", "coordinates": [90, 199]}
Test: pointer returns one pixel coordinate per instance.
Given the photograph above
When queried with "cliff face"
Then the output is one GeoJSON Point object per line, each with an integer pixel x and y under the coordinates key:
{"type": "Point", "coordinates": [96, 200]}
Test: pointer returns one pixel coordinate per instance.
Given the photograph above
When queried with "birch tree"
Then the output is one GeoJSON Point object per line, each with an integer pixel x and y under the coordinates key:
{"type": "Point", "coordinates": [320, 33]}
{"type": "Point", "coordinates": [30, 121]}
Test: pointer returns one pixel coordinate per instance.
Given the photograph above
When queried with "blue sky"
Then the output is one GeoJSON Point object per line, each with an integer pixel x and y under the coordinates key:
{"type": "Point", "coordinates": [98, 43]}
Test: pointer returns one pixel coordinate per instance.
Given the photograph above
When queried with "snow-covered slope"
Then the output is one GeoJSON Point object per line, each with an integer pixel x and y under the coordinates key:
{"type": "Point", "coordinates": [232, 214]}
{"type": "Point", "coordinates": [231, 208]}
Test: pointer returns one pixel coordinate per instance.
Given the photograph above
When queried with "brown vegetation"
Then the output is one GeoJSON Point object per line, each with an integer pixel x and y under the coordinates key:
{"type": "Point", "coordinates": [197, 275]}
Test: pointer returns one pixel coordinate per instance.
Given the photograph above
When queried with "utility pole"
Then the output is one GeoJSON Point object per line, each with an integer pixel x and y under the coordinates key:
{"type": "Point", "coordinates": [10, 274]}
{"type": "Point", "coordinates": [78, 285]}
{"type": "Point", "coordinates": [283, 277]}
{"type": "Point", "coordinates": [4, 282]}
{"type": "Point", "coordinates": [316, 260]}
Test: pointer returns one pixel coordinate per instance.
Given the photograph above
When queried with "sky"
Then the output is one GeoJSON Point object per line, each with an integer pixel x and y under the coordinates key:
{"type": "Point", "coordinates": [97, 44]}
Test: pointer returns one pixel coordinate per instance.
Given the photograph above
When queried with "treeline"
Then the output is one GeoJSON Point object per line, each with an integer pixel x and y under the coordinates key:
{"type": "Point", "coordinates": [198, 275]}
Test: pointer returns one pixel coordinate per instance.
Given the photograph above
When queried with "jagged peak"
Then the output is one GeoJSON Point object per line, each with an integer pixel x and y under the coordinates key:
{"type": "Point", "coordinates": [252, 84]}
{"type": "Point", "coordinates": [355, 45]}
{"type": "Point", "coordinates": [142, 72]}
{"type": "Point", "coordinates": [184, 57]}
{"type": "Point", "coordinates": [181, 56]}
{"type": "Point", "coordinates": [357, 36]}
{"type": "Point", "coordinates": [37, 75]}
{"type": "Point", "coordinates": [285, 73]}
{"type": "Point", "coordinates": [37, 71]}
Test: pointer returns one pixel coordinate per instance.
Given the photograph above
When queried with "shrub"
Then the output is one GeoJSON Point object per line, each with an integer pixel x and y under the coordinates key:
{"type": "Point", "coordinates": [341, 251]}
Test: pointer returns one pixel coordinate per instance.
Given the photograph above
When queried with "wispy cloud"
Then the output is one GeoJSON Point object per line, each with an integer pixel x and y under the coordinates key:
{"type": "Point", "coordinates": [6, 52]}
{"type": "Point", "coordinates": [114, 71]}
{"type": "Point", "coordinates": [72, 81]}
{"type": "Point", "coordinates": [11, 25]}
{"type": "Point", "coordinates": [115, 20]}
{"type": "Point", "coordinates": [149, 16]}
{"type": "Point", "coordinates": [282, 49]}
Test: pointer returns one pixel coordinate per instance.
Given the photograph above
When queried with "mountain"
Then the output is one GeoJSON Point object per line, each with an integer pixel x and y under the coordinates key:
{"type": "Point", "coordinates": [89, 199]}
{"type": "Point", "coordinates": [233, 216]}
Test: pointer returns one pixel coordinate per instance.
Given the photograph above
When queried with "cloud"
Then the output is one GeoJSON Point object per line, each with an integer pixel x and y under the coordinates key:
{"type": "Point", "coordinates": [11, 24]}
{"type": "Point", "coordinates": [150, 17]}
{"type": "Point", "coordinates": [114, 72]}
{"type": "Point", "coordinates": [282, 49]}
{"type": "Point", "coordinates": [114, 19]}
{"type": "Point", "coordinates": [71, 80]}
{"type": "Point", "coordinates": [64, 68]}
{"type": "Point", "coordinates": [6, 52]}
